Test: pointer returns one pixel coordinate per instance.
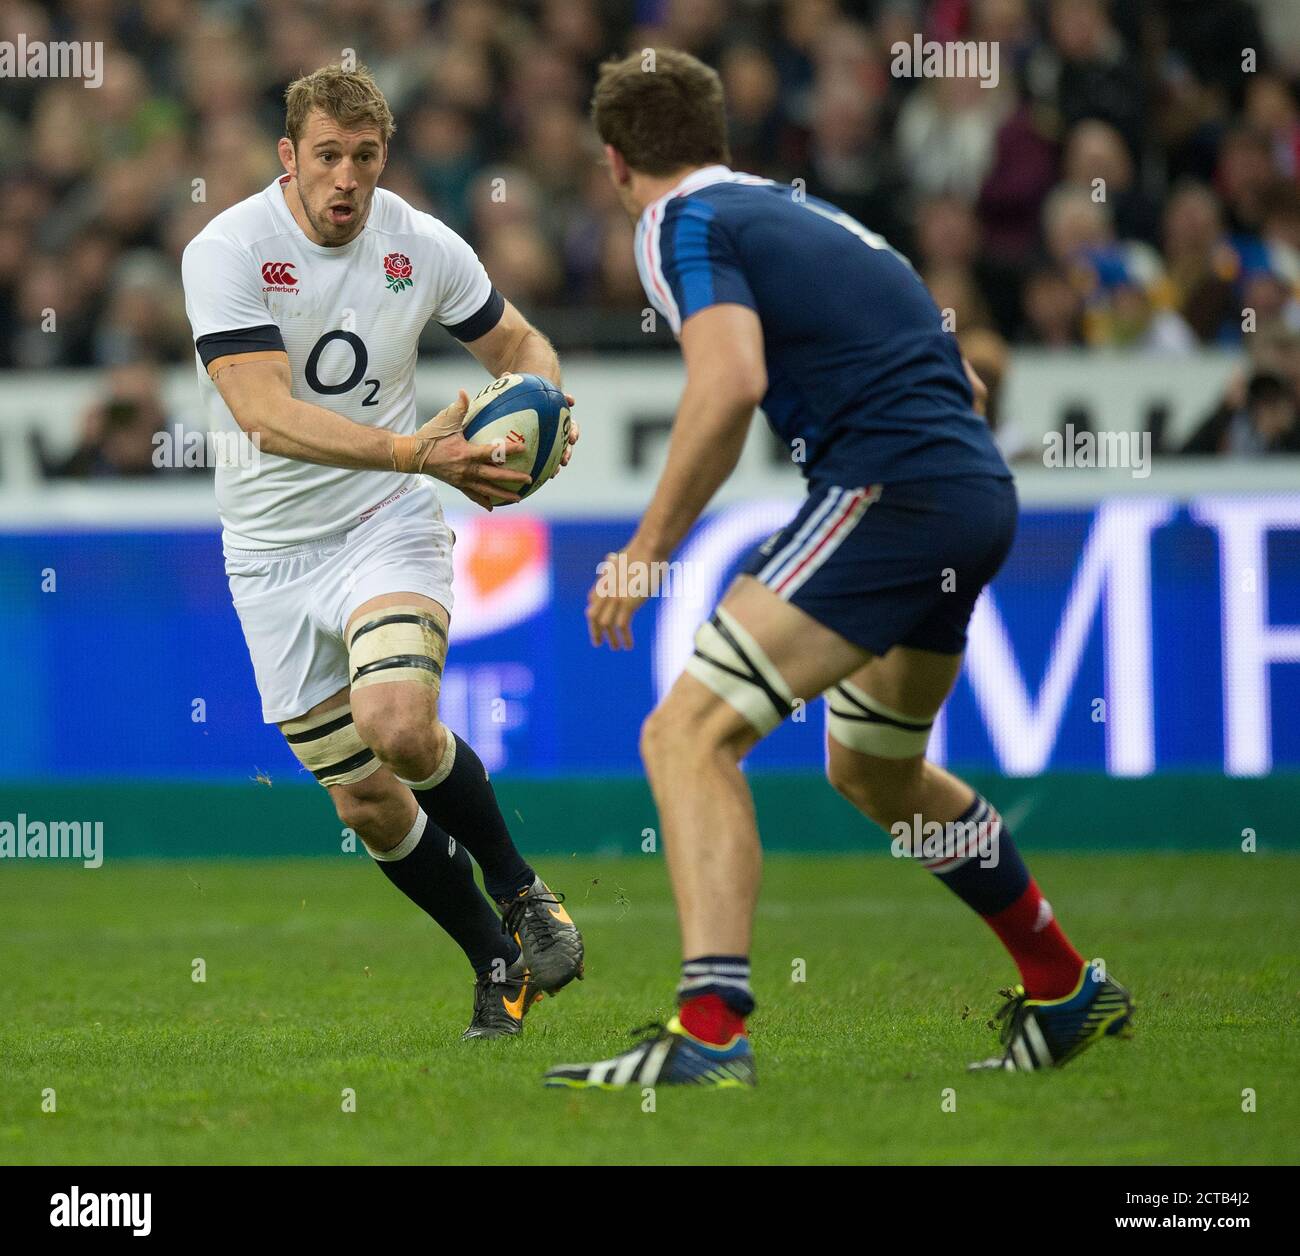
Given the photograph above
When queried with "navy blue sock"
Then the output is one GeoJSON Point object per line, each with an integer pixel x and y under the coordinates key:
{"type": "Point", "coordinates": [1009, 900]}
{"type": "Point", "coordinates": [460, 799]}
{"type": "Point", "coordinates": [436, 874]}
{"type": "Point", "coordinates": [727, 976]}
{"type": "Point", "coordinates": [988, 890]}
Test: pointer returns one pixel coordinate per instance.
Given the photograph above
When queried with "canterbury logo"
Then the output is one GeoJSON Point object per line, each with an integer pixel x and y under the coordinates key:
{"type": "Point", "coordinates": [279, 273]}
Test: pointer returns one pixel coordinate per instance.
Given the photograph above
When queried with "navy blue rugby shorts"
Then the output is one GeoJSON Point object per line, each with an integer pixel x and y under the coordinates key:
{"type": "Point", "coordinates": [893, 564]}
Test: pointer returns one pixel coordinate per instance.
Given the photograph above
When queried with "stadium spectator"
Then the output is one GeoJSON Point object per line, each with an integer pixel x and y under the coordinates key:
{"type": "Point", "coordinates": [1096, 157]}
{"type": "Point", "coordinates": [1053, 310]}
{"type": "Point", "coordinates": [1271, 109]}
{"type": "Point", "coordinates": [1200, 261]}
{"type": "Point", "coordinates": [118, 433]}
{"type": "Point", "coordinates": [1266, 422]}
{"type": "Point", "coordinates": [947, 134]}
{"type": "Point", "coordinates": [103, 188]}
{"type": "Point", "coordinates": [1244, 176]}
{"type": "Point", "coordinates": [1085, 70]}
{"type": "Point", "coordinates": [754, 120]}
{"type": "Point", "coordinates": [1127, 297]}
{"type": "Point", "coordinates": [1020, 175]}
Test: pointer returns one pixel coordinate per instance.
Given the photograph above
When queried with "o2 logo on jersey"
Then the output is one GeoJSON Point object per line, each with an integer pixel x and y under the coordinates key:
{"type": "Point", "coordinates": [357, 375]}
{"type": "Point", "coordinates": [397, 266]}
{"type": "Point", "coordinates": [279, 277]}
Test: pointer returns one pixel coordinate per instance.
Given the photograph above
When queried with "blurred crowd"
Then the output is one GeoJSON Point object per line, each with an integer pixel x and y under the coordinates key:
{"type": "Point", "coordinates": [1132, 179]}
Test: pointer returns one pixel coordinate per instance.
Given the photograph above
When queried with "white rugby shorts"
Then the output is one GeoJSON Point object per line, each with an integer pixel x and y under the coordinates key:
{"type": "Point", "coordinates": [294, 602]}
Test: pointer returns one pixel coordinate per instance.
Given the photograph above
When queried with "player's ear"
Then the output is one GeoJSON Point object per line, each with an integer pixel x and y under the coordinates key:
{"type": "Point", "coordinates": [288, 158]}
{"type": "Point", "coordinates": [618, 167]}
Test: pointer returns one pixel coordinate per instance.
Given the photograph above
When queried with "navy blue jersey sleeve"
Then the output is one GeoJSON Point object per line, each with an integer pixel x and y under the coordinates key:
{"type": "Point", "coordinates": [699, 260]}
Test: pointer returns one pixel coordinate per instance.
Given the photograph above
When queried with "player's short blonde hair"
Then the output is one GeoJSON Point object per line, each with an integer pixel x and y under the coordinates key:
{"type": "Point", "coordinates": [351, 97]}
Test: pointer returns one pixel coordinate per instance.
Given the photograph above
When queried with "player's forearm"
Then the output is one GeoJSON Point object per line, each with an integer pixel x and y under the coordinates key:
{"type": "Point", "coordinates": [308, 433]}
{"type": "Point", "coordinates": [708, 435]}
{"type": "Point", "coordinates": [534, 355]}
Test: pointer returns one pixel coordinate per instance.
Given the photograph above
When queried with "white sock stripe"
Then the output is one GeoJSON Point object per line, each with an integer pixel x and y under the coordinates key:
{"type": "Point", "coordinates": [943, 866]}
{"type": "Point", "coordinates": [696, 966]}
{"type": "Point", "coordinates": [694, 983]}
{"type": "Point", "coordinates": [405, 846]}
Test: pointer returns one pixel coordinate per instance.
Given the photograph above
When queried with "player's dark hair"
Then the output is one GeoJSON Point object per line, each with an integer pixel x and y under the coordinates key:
{"type": "Point", "coordinates": [351, 97]}
{"type": "Point", "coordinates": [662, 109]}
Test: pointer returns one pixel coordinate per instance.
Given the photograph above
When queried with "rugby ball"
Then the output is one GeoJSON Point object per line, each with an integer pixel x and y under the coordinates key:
{"type": "Point", "coordinates": [527, 407]}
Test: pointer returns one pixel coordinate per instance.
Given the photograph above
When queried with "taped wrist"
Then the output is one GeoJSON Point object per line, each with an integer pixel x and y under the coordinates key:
{"type": "Point", "coordinates": [411, 452]}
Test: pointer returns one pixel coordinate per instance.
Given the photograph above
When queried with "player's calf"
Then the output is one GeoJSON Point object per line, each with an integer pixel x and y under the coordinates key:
{"type": "Point", "coordinates": [875, 758]}
{"type": "Point", "coordinates": [397, 646]}
{"type": "Point", "coordinates": [375, 809]}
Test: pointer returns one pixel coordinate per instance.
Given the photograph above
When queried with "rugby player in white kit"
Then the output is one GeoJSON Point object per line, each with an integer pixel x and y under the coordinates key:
{"type": "Point", "coordinates": [307, 302]}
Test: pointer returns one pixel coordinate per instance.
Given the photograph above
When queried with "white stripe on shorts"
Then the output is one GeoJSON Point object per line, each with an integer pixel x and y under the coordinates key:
{"type": "Point", "coordinates": [790, 551]}
{"type": "Point", "coordinates": [826, 540]}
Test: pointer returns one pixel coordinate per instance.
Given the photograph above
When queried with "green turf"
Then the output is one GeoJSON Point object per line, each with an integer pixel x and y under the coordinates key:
{"type": "Point", "coordinates": [321, 977]}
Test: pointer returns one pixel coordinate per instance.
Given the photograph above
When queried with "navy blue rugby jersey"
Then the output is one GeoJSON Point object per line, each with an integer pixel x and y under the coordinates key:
{"type": "Point", "coordinates": [859, 365]}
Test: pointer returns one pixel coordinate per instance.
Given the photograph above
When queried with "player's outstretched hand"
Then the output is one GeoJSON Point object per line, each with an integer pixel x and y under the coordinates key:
{"type": "Point", "coordinates": [609, 605]}
{"type": "Point", "coordinates": [440, 450]}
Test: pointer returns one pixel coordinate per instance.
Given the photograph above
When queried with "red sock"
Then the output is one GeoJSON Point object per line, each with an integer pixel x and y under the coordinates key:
{"type": "Point", "coordinates": [709, 1019]}
{"type": "Point", "coordinates": [1049, 965]}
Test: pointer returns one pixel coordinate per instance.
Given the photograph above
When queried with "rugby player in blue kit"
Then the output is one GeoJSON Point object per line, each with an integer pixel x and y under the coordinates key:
{"type": "Point", "coordinates": [780, 300]}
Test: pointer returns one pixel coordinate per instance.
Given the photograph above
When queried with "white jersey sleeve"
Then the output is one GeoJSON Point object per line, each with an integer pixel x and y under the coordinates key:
{"type": "Point", "coordinates": [223, 299]}
{"type": "Point", "coordinates": [467, 304]}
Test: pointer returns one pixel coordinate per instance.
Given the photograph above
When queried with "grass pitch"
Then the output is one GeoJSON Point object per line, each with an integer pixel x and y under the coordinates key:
{"type": "Point", "coordinates": [321, 978]}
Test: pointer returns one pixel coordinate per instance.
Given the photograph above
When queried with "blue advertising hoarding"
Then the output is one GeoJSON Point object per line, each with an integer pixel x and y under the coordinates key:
{"type": "Point", "coordinates": [1135, 636]}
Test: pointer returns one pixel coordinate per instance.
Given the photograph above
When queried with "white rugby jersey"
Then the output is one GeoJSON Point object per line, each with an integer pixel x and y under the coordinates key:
{"type": "Point", "coordinates": [350, 320]}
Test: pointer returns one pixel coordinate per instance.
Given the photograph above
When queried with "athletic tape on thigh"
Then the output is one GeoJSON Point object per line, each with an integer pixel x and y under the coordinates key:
{"type": "Point", "coordinates": [861, 723]}
{"type": "Point", "coordinates": [397, 643]}
{"type": "Point", "coordinates": [330, 748]}
{"type": "Point", "coordinates": [732, 664]}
